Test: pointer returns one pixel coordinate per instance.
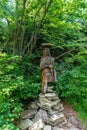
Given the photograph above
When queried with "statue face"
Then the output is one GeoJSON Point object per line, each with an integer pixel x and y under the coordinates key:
{"type": "Point", "coordinates": [46, 52]}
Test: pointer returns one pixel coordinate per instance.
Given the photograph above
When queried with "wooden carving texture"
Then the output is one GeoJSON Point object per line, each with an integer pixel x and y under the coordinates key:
{"type": "Point", "coordinates": [47, 69]}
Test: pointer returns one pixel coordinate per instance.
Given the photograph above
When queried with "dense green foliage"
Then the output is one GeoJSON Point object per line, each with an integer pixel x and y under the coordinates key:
{"type": "Point", "coordinates": [14, 88]}
{"type": "Point", "coordinates": [24, 25]}
{"type": "Point", "coordinates": [72, 79]}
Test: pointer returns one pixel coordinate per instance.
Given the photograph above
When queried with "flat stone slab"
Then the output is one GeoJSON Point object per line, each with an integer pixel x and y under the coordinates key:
{"type": "Point", "coordinates": [47, 127]}
{"type": "Point", "coordinates": [53, 98]}
{"type": "Point", "coordinates": [54, 103]}
{"type": "Point", "coordinates": [57, 128]}
{"type": "Point", "coordinates": [48, 95]}
{"type": "Point", "coordinates": [48, 103]}
{"type": "Point", "coordinates": [52, 112]}
{"type": "Point", "coordinates": [41, 114]}
{"type": "Point", "coordinates": [73, 128]}
{"type": "Point", "coordinates": [24, 124]}
{"type": "Point", "coordinates": [38, 125]}
{"type": "Point", "coordinates": [44, 100]}
{"type": "Point", "coordinates": [50, 87]}
{"type": "Point", "coordinates": [45, 107]}
{"type": "Point", "coordinates": [56, 119]}
{"type": "Point", "coordinates": [49, 90]}
{"type": "Point", "coordinates": [28, 114]}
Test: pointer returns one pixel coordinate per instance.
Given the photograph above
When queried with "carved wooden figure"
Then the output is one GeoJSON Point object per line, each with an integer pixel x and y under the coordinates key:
{"type": "Point", "coordinates": [47, 69]}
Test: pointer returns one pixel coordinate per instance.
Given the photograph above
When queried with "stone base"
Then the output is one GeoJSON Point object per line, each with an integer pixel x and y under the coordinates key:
{"type": "Point", "coordinates": [45, 114]}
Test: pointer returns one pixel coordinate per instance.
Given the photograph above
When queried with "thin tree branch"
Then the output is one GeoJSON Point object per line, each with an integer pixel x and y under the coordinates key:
{"type": "Point", "coordinates": [34, 41]}
{"type": "Point", "coordinates": [67, 52]}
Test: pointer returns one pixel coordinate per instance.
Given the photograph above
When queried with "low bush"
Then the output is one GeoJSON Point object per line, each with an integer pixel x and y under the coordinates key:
{"type": "Point", "coordinates": [72, 79]}
{"type": "Point", "coordinates": [15, 88]}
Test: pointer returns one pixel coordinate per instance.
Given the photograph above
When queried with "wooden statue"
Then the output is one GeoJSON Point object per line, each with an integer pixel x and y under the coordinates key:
{"type": "Point", "coordinates": [47, 69]}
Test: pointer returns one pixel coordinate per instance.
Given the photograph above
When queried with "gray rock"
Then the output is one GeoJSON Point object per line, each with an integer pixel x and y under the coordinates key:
{"type": "Point", "coordinates": [41, 114]}
{"type": "Point", "coordinates": [54, 103]}
{"type": "Point", "coordinates": [58, 106]}
{"type": "Point", "coordinates": [28, 114]}
{"type": "Point", "coordinates": [61, 106]}
{"type": "Point", "coordinates": [72, 119]}
{"type": "Point", "coordinates": [52, 112]}
{"type": "Point", "coordinates": [50, 87]}
{"type": "Point", "coordinates": [53, 98]}
{"type": "Point", "coordinates": [73, 128]}
{"type": "Point", "coordinates": [44, 100]}
{"type": "Point", "coordinates": [45, 106]}
{"type": "Point", "coordinates": [38, 125]}
{"type": "Point", "coordinates": [57, 128]}
{"type": "Point", "coordinates": [48, 103]}
{"type": "Point", "coordinates": [61, 109]}
{"type": "Point", "coordinates": [56, 119]}
{"type": "Point", "coordinates": [49, 91]}
{"type": "Point", "coordinates": [63, 124]}
{"type": "Point", "coordinates": [50, 95]}
{"type": "Point", "coordinates": [24, 124]}
{"type": "Point", "coordinates": [47, 127]}
{"type": "Point", "coordinates": [33, 105]}
{"type": "Point", "coordinates": [37, 117]}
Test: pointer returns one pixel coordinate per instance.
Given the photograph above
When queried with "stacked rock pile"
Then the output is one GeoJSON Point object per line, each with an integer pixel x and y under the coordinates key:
{"type": "Point", "coordinates": [45, 114]}
{"type": "Point", "coordinates": [50, 103]}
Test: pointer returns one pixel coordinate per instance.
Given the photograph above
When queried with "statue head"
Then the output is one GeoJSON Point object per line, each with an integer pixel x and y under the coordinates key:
{"type": "Point", "coordinates": [46, 52]}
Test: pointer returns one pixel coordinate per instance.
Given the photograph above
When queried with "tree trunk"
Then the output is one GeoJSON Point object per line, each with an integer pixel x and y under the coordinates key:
{"type": "Point", "coordinates": [16, 30]}
{"type": "Point", "coordinates": [20, 27]}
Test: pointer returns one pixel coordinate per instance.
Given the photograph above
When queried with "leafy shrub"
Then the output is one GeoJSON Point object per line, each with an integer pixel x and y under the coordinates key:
{"type": "Point", "coordinates": [14, 88]}
{"type": "Point", "coordinates": [72, 79]}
